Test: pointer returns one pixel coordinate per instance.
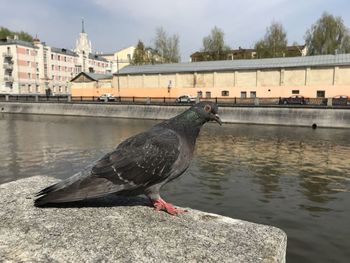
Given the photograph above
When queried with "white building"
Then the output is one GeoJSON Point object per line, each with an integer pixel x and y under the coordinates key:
{"type": "Point", "coordinates": [120, 58]}
{"type": "Point", "coordinates": [36, 68]}
{"type": "Point", "coordinates": [19, 68]}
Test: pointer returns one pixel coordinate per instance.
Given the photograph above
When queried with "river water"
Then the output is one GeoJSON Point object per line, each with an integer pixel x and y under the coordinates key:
{"type": "Point", "coordinates": [297, 179]}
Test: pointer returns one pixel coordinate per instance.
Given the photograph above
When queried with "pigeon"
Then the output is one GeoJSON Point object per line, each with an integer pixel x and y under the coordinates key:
{"type": "Point", "coordinates": [141, 164]}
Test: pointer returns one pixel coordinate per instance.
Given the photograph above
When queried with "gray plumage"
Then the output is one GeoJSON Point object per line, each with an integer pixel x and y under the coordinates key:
{"type": "Point", "coordinates": [141, 164]}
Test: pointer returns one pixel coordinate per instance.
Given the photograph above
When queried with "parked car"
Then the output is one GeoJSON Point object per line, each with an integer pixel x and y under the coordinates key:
{"type": "Point", "coordinates": [341, 100]}
{"type": "Point", "coordinates": [106, 97]}
{"type": "Point", "coordinates": [185, 99]}
{"type": "Point", "coordinates": [295, 99]}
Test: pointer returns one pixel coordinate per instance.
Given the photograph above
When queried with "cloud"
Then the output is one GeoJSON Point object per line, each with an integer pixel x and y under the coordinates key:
{"type": "Point", "coordinates": [156, 9]}
{"type": "Point", "coordinates": [194, 19]}
{"type": "Point", "coordinates": [114, 24]}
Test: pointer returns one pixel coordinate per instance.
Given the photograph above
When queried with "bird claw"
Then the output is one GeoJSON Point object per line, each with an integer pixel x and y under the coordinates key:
{"type": "Point", "coordinates": [160, 204]}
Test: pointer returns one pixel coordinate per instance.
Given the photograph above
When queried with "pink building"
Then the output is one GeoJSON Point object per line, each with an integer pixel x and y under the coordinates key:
{"type": "Point", "coordinates": [36, 68]}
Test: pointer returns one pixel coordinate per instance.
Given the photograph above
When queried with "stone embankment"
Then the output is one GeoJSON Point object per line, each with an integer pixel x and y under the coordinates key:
{"type": "Point", "coordinates": [115, 229]}
{"type": "Point", "coordinates": [291, 116]}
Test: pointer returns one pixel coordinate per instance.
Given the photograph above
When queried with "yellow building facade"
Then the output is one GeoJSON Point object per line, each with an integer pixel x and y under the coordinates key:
{"type": "Point", "coordinates": [314, 76]}
{"type": "Point", "coordinates": [317, 76]}
{"type": "Point", "coordinates": [91, 84]}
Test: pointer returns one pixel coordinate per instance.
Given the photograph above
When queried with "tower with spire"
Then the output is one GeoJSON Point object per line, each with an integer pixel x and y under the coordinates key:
{"type": "Point", "coordinates": [83, 45]}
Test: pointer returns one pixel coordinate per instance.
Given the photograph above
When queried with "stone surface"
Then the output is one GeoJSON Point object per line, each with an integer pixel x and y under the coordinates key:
{"type": "Point", "coordinates": [116, 229]}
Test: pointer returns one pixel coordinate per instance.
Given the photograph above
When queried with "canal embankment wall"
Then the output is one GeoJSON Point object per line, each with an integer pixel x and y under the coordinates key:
{"type": "Point", "coordinates": [291, 116]}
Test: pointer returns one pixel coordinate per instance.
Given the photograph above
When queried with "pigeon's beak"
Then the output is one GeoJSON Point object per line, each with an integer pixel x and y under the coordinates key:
{"type": "Point", "coordinates": [217, 119]}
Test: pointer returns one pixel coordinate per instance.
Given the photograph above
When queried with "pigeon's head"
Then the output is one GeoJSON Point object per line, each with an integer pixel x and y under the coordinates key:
{"type": "Point", "coordinates": [207, 110]}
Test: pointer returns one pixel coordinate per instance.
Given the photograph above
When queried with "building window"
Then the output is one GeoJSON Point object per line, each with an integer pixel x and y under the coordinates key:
{"type": "Point", "coordinates": [243, 94]}
{"type": "Point", "coordinates": [29, 75]}
{"type": "Point", "coordinates": [58, 57]}
{"type": "Point", "coordinates": [28, 63]}
{"type": "Point", "coordinates": [52, 67]}
{"type": "Point", "coordinates": [37, 89]}
{"type": "Point", "coordinates": [78, 69]}
{"type": "Point", "coordinates": [225, 93]}
{"type": "Point", "coordinates": [199, 94]}
{"type": "Point", "coordinates": [295, 91]}
{"type": "Point", "coordinates": [253, 94]}
{"type": "Point", "coordinates": [59, 89]}
{"type": "Point", "coordinates": [37, 76]}
{"type": "Point", "coordinates": [27, 51]}
{"type": "Point", "coordinates": [208, 94]}
{"type": "Point", "coordinates": [321, 94]}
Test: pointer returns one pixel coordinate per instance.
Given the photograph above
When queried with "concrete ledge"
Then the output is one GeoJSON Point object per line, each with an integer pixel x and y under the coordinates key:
{"type": "Point", "coordinates": [116, 229]}
{"type": "Point", "coordinates": [322, 117]}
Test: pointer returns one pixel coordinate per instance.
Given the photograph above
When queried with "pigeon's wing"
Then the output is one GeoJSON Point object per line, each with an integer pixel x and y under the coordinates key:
{"type": "Point", "coordinates": [138, 162]}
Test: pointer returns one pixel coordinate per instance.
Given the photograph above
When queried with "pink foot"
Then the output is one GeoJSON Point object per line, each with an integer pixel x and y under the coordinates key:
{"type": "Point", "coordinates": [160, 204]}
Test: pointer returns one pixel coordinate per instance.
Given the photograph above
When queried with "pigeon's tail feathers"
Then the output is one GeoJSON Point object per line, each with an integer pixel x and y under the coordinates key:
{"type": "Point", "coordinates": [54, 192]}
{"type": "Point", "coordinates": [78, 188]}
{"type": "Point", "coordinates": [47, 195]}
{"type": "Point", "coordinates": [56, 187]}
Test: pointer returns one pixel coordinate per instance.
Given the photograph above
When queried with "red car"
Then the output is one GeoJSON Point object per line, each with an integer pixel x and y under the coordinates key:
{"type": "Point", "coordinates": [295, 99]}
{"type": "Point", "coordinates": [341, 100]}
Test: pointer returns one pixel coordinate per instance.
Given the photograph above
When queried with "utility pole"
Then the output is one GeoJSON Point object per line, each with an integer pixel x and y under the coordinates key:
{"type": "Point", "coordinates": [118, 76]}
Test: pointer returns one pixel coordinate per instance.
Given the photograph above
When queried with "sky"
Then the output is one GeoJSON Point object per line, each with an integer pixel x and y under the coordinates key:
{"type": "Point", "coordinates": [115, 24]}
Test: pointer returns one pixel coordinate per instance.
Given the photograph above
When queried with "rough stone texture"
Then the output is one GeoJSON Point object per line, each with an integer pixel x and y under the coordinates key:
{"type": "Point", "coordinates": [115, 229]}
{"type": "Point", "coordinates": [322, 117]}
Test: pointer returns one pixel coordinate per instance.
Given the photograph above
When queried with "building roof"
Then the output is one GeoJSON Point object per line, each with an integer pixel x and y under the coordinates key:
{"type": "Point", "coordinates": [296, 47]}
{"type": "Point", "coordinates": [93, 76]}
{"type": "Point", "coordinates": [241, 64]}
{"type": "Point", "coordinates": [106, 54]}
{"type": "Point", "coordinates": [64, 51]}
{"type": "Point", "coordinates": [17, 42]}
{"type": "Point", "coordinates": [97, 76]}
{"type": "Point", "coordinates": [97, 57]}
{"type": "Point", "coordinates": [231, 51]}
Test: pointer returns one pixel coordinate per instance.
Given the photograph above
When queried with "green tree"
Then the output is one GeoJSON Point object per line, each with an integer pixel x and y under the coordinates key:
{"type": "Point", "coordinates": [166, 47]}
{"type": "Point", "coordinates": [24, 36]}
{"type": "Point", "coordinates": [214, 47]}
{"type": "Point", "coordinates": [140, 56]}
{"type": "Point", "coordinates": [5, 32]}
{"type": "Point", "coordinates": [328, 35]}
{"type": "Point", "coordinates": [274, 43]}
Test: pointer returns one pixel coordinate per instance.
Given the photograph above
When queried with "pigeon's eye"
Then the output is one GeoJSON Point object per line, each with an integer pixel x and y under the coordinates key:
{"type": "Point", "coordinates": [207, 108]}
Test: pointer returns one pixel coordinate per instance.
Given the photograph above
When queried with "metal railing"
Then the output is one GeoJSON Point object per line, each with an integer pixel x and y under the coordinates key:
{"type": "Point", "coordinates": [222, 101]}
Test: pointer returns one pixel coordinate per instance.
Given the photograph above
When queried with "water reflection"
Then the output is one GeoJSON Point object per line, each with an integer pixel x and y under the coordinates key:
{"type": "Point", "coordinates": [295, 178]}
{"type": "Point", "coordinates": [320, 166]}
{"type": "Point", "coordinates": [55, 146]}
